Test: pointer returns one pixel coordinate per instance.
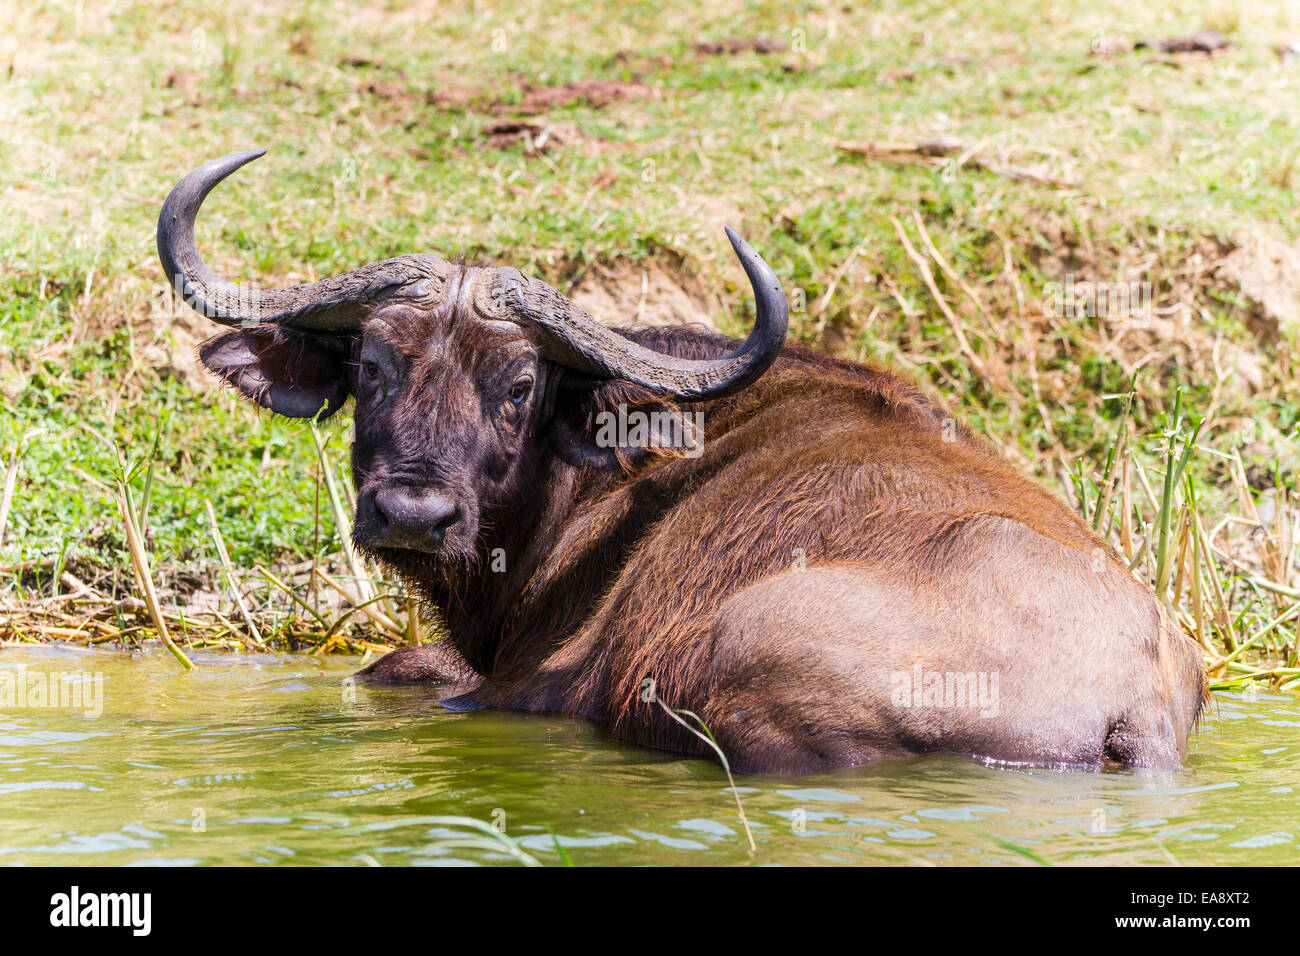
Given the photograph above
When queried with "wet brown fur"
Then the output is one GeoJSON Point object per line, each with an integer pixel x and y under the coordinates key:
{"type": "Point", "coordinates": [822, 464]}
{"type": "Point", "coordinates": [839, 529]}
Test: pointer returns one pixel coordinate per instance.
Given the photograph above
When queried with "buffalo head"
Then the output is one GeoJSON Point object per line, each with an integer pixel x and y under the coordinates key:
{"type": "Point", "coordinates": [466, 378]}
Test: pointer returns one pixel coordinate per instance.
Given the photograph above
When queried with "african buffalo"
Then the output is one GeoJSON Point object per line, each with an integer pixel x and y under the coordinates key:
{"type": "Point", "coordinates": [826, 568]}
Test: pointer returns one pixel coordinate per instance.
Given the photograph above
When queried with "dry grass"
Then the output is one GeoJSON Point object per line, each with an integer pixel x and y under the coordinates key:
{"type": "Point", "coordinates": [390, 131]}
{"type": "Point", "coordinates": [332, 603]}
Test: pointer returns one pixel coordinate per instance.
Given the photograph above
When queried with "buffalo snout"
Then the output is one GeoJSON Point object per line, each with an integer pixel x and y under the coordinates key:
{"type": "Point", "coordinates": [404, 518]}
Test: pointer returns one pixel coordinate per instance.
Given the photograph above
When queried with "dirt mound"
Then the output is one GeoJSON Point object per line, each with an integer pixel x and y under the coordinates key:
{"type": "Point", "coordinates": [1266, 271]}
{"type": "Point", "coordinates": [642, 292]}
{"type": "Point", "coordinates": [167, 336]}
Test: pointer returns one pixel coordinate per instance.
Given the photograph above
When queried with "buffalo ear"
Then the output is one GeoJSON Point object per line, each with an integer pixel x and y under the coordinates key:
{"type": "Point", "coordinates": [295, 374]}
{"type": "Point", "coordinates": [615, 425]}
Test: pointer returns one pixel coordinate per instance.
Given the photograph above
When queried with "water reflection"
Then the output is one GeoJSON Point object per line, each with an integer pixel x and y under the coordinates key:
{"type": "Point", "coordinates": [264, 760]}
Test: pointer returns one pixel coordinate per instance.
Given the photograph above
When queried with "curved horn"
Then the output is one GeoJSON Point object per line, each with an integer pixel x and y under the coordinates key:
{"type": "Point", "coordinates": [585, 344]}
{"type": "Point", "coordinates": [336, 304]}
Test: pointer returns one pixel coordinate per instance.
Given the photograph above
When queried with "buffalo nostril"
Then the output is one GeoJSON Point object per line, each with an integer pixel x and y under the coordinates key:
{"type": "Point", "coordinates": [443, 518]}
{"type": "Point", "coordinates": [371, 522]}
{"type": "Point", "coordinates": [381, 516]}
{"type": "Point", "coordinates": [371, 514]}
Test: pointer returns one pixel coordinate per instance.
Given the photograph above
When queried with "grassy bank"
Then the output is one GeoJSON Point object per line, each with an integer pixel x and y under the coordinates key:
{"type": "Point", "coordinates": [935, 184]}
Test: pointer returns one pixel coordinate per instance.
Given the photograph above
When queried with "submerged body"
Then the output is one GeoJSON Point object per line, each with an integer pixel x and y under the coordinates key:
{"type": "Point", "coordinates": [843, 574]}
{"type": "Point", "coordinates": [833, 572]}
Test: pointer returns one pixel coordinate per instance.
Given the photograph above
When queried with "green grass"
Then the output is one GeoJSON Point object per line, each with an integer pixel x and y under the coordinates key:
{"type": "Point", "coordinates": [1177, 158]}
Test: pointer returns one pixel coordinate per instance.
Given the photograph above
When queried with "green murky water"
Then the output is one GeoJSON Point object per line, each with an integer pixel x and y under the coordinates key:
{"type": "Point", "coordinates": [263, 759]}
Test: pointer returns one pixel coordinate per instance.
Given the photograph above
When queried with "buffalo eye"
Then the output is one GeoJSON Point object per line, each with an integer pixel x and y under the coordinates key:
{"type": "Point", "coordinates": [520, 391]}
{"type": "Point", "coordinates": [369, 373]}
